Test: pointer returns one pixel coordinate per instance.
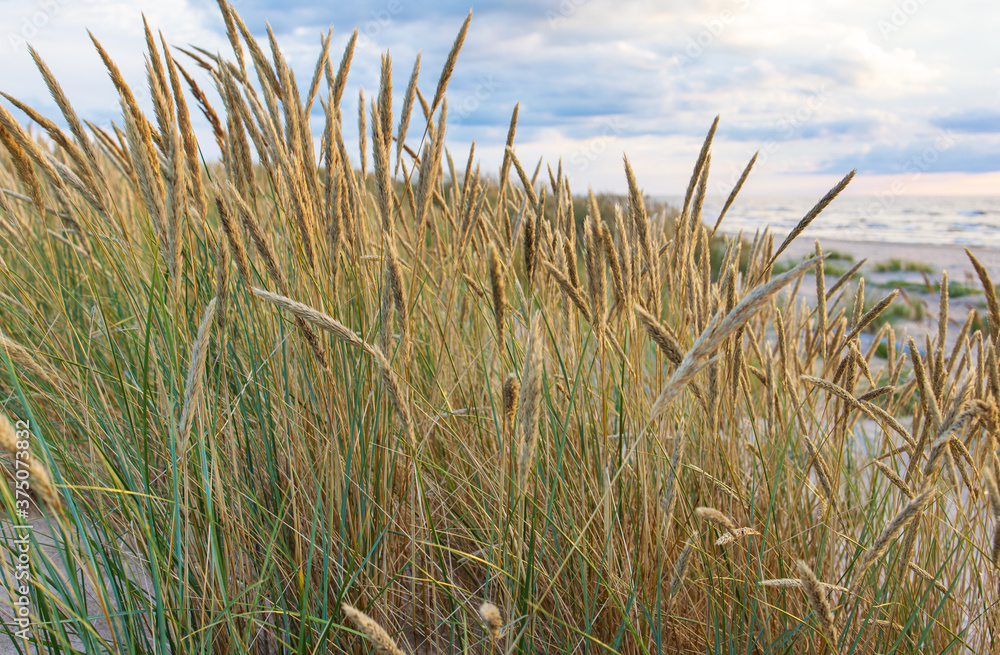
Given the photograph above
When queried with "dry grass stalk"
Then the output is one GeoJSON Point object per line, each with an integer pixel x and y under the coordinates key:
{"type": "Point", "coordinates": [822, 471]}
{"type": "Point", "coordinates": [699, 167]}
{"type": "Point", "coordinates": [734, 193]}
{"type": "Point", "coordinates": [22, 165]}
{"type": "Point", "coordinates": [385, 311]}
{"type": "Point", "coordinates": [596, 276]}
{"type": "Point", "coordinates": [843, 279]}
{"type": "Point", "coordinates": [617, 278]}
{"type": "Point", "coordinates": [323, 321]}
{"type": "Point", "coordinates": [894, 527]}
{"type": "Point", "coordinates": [730, 537]}
{"type": "Point", "coordinates": [430, 167]}
{"type": "Point", "coordinates": [234, 39]}
{"type": "Point", "coordinates": [661, 336]}
{"type": "Point", "coordinates": [268, 79]}
{"type": "Point", "coordinates": [860, 362]}
{"type": "Point", "coordinates": [864, 320]}
{"type": "Point", "coordinates": [507, 154]}
{"type": "Point", "coordinates": [142, 127]}
{"type": "Point", "coordinates": [713, 515]}
{"type": "Point", "coordinates": [233, 237]}
{"type": "Point", "coordinates": [872, 394]}
{"type": "Point", "coordinates": [362, 133]}
{"type": "Point", "coordinates": [928, 400]}
{"type": "Point", "coordinates": [994, 498]}
{"type": "Point", "coordinates": [449, 64]}
{"type": "Point", "coordinates": [83, 156]}
{"type": "Point", "coordinates": [317, 318]}
{"type": "Point", "coordinates": [20, 356]}
{"type": "Point", "coordinates": [260, 239]}
{"type": "Point", "coordinates": [909, 545]}
{"type": "Point", "coordinates": [530, 249]}
{"type": "Point", "coordinates": [370, 628]}
{"type": "Point", "coordinates": [221, 284]}
{"type": "Point", "coordinates": [991, 295]}
{"type": "Point", "coordinates": [206, 108]}
{"type": "Point", "coordinates": [195, 377]}
{"type": "Point", "coordinates": [894, 478]}
{"type": "Point", "coordinates": [530, 401]}
{"type": "Point", "coordinates": [397, 394]}
{"type": "Point", "coordinates": [394, 275]}
{"type": "Point", "coordinates": [670, 491]}
{"type": "Point", "coordinates": [796, 583]}
{"type": "Point", "coordinates": [499, 293]}
{"type": "Point", "coordinates": [38, 475]}
{"type": "Point", "coordinates": [782, 338]}
{"type": "Point", "coordinates": [338, 82]}
{"type": "Point", "coordinates": [511, 390]}
{"type": "Point", "coordinates": [404, 117]}
{"type": "Point", "coordinates": [718, 330]}
{"type": "Point", "coordinates": [569, 254]}
{"type": "Point", "coordinates": [31, 147]}
{"type": "Point", "coordinates": [572, 291]}
{"type": "Point", "coordinates": [821, 327]}
{"type": "Point", "coordinates": [812, 214]}
{"type": "Point", "coordinates": [492, 618]}
{"type": "Point", "coordinates": [921, 573]}
{"type": "Point", "coordinates": [681, 568]}
{"type": "Point", "coordinates": [942, 335]}
{"type": "Point", "coordinates": [321, 63]}
{"type": "Point", "coordinates": [640, 223]}
{"type": "Point", "coordinates": [529, 189]}
{"type": "Point", "coordinates": [190, 142]}
{"type": "Point", "coordinates": [816, 594]}
{"type": "Point", "coordinates": [150, 182]}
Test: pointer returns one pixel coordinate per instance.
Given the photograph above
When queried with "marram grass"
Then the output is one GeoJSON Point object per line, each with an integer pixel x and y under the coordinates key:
{"type": "Point", "coordinates": [281, 404]}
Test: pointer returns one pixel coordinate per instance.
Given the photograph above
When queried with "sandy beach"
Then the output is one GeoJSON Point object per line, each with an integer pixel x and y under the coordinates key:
{"type": "Point", "coordinates": [940, 257]}
{"type": "Point", "coordinates": [917, 289]}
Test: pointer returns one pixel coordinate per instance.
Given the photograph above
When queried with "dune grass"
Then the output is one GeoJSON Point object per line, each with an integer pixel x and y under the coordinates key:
{"type": "Point", "coordinates": [291, 405]}
{"type": "Point", "coordinates": [895, 265]}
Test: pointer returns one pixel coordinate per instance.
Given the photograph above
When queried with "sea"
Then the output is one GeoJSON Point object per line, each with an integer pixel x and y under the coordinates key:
{"type": "Point", "coordinates": [936, 220]}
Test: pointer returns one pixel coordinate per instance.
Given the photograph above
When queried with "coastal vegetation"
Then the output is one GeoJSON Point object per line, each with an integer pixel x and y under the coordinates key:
{"type": "Point", "coordinates": [306, 400]}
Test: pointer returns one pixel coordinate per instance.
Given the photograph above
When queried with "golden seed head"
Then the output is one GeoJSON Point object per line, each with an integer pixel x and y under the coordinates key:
{"type": "Point", "coordinates": [375, 633]}
{"type": "Point", "coordinates": [492, 618]}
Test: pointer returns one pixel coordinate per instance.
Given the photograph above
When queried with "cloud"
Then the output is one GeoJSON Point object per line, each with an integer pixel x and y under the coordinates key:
{"type": "Point", "coordinates": [814, 84]}
{"type": "Point", "coordinates": [971, 121]}
{"type": "Point", "coordinates": [942, 154]}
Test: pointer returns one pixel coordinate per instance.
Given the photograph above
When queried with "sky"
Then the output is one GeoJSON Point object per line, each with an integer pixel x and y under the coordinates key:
{"type": "Point", "coordinates": [906, 91]}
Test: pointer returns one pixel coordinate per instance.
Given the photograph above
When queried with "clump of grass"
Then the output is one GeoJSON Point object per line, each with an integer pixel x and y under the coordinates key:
{"type": "Point", "coordinates": [955, 289]}
{"type": "Point", "coordinates": [830, 269]}
{"type": "Point", "coordinates": [421, 385]}
{"type": "Point", "coordinates": [836, 255]}
{"type": "Point", "coordinates": [894, 265]}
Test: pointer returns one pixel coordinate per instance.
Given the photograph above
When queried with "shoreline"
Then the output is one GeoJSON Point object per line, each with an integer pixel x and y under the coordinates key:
{"type": "Point", "coordinates": [949, 257]}
{"type": "Point", "coordinates": [915, 286]}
